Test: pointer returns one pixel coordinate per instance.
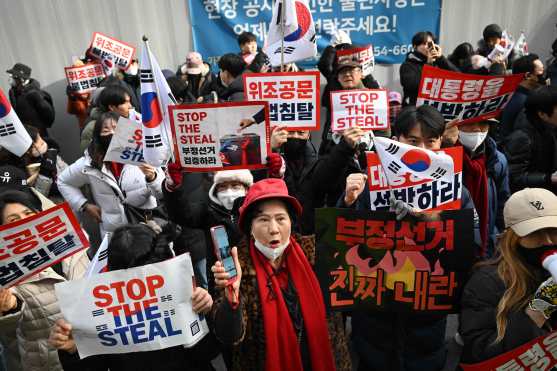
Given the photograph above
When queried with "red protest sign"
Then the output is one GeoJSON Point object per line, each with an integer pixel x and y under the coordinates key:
{"type": "Point", "coordinates": [468, 98]}
{"type": "Point", "coordinates": [207, 137]}
{"type": "Point", "coordinates": [538, 354]}
{"type": "Point", "coordinates": [86, 78]}
{"type": "Point", "coordinates": [365, 108]}
{"type": "Point", "coordinates": [30, 245]}
{"type": "Point", "coordinates": [419, 193]}
{"type": "Point", "coordinates": [364, 55]}
{"type": "Point", "coordinates": [106, 47]}
{"type": "Point", "coordinates": [294, 99]}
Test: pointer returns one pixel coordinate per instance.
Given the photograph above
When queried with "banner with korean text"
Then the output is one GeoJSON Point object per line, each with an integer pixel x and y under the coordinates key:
{"type": "Point", "coordinates": [420, 194]}
{"type": "Point", "coordinates": [208, 137]}
{"type": "Point", "coordinates": [468, 98]}
{"type": "Point", "coordinates": [388, 24]}
{"type": "Point", "coordinates": [30, 245]}
{"type": "Point", "coordinates": [110, 50]}
{"type": "Point", "coordinates": [365, 108]}
{"type": "Point", "coordinates": [372, 260]}
{"type": "Point", "coordinates": [126, 146]}
{"type": "Point", "coordinates": [294, 98]}
{"type": "Point", "coordinates": [538, 354]}
{"type": "Point", "coordinates": [133, 310]}
{"type": "Point", "coordinates": [84, 79]}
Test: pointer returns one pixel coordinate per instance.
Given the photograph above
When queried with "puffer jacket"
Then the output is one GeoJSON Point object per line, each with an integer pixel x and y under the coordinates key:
{"type": "Point", "coordinates": [25, 332]}
{"type": "Point", "coordinates": [33, 106]}
{"type": "Point", "coordinates": [109, 194]}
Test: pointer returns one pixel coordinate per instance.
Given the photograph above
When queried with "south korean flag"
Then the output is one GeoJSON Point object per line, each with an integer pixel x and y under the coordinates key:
{"type": "Point", "coordinates": [298, 30]}
{"type": "Point", "coordinates": [399, 159]}
{"type": "Point", "coordinates": [13, 135]}
{"type": "Point", "coordinates": [155, 99]}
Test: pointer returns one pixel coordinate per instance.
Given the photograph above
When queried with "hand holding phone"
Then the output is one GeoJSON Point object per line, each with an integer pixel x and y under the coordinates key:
{"type": "Point", "coordinates": [223, 252]}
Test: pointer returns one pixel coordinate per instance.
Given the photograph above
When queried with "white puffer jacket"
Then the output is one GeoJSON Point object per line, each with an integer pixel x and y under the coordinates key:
{"type": "Point", "coordinates": [109, 194]}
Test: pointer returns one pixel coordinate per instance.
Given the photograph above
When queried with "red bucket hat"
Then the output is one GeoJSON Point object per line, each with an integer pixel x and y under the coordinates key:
{"type": "Point", "coordinates": [267, 189]}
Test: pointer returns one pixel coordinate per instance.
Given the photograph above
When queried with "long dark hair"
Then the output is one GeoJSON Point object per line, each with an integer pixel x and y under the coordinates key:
{"type": "Point", "coordinates": [96, 149]}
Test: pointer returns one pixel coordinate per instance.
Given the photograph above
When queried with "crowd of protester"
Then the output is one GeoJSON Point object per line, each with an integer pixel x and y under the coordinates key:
{"type": "Point", "coordinates": [273, 316]}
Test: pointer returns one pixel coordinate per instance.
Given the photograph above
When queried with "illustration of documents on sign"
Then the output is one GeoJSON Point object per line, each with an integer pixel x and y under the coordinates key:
{"type": "Point", "coordinates": [133, 310]}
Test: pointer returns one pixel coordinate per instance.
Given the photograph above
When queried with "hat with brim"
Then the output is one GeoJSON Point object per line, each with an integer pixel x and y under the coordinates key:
{"type": "Point", "coordinates": [530, 210]}
{"type": "Point", "coordinates": [346, 64]}
{"type": "Point", "coordinates": [20, 70]}
{"type": "Point", "coordinates": [529, 226]}
{"type": "Point", "coordinates": [267, 189]}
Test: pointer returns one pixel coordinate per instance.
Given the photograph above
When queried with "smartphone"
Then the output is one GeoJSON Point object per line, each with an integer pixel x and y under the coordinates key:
{"type": "Point", "coordinates": [430, 44]}
{"type": "Point", "coordinates": [222, 251]}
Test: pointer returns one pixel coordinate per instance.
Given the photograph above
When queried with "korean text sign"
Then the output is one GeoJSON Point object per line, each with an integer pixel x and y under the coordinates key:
{"type": "Point", "coordinates": [207, 137]}
{"type": "Point", "coordinates": [294, 99]}
{"type": "Point", "coordinates": [132, 310]}
{"type": "Point", "coordinates": [363, 55]}
{"type": "Point", "coordinates": [538, 354]}
{"type": "Point", "coordinates": [84, 79]}
{"type": "Point", "coordinates": [104, 47]}
{"type": "Point", "coordinates": [388, 24]}
{"type": "Point", "coordinates": [468, 98]}
{"type": "Point", "coordinates": [418, 193]}
{"type": "Point", "coordinates": [369, 259]}
{"type": "Point", "coordinates": [30, 245]}
{"type": "Point", "coordinates": [126, 146]}
{"type": "Point", "coordinates": [365, 108]}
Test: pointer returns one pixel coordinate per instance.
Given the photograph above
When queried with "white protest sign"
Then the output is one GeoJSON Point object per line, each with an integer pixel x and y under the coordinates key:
{"type": "Point", "coordinates": [294, 99]}
{"type": "Point", "coordinates": [364, 56]}
{"type": "Point", "coordinates": [504, 48]}
{"type": "Point", "coordinates": [365, 108]}
{"type": "Point", "coordinates": [133, 310]}
{"type": "Point", "coordinates": [126, 146]}
{"type": "Point", "coordinates": [105, 48]}
{"type": "Point", "coordinates": [30, 245]}
{"type": "Point", "coordinates": [86, 78]}
{"type": "Point", "coordinates": [207, 137]}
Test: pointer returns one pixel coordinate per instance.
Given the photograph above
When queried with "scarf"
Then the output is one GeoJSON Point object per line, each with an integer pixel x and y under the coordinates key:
{"type": "Point", "coordinates": [475, 179]}
{"type": "Point", "coordinates": [281, 344]}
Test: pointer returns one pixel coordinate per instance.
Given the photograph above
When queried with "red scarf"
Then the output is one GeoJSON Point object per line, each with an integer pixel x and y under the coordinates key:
{"type": "Point", "coordinates": [475, 179]}
{"type": "Point", "coordinates": [281, 344]}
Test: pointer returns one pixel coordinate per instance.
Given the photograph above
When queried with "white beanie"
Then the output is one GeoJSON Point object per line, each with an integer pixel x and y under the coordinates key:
{"type": "Point", "coordinates": [243, 176]}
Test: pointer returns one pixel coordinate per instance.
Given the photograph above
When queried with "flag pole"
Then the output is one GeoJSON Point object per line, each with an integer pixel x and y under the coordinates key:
{"type": "Point", "coordinates": [163, 113]}
{"type": "Point", "coordinates": [283, 25]}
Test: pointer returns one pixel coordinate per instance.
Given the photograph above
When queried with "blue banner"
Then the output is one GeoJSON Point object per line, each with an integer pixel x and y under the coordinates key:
{"type": "Point", "coordinates": [386, 24]}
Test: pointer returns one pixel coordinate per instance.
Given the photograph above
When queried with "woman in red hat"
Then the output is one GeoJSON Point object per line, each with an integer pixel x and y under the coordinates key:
{"type": "Point", "coordinates": [277, 321]}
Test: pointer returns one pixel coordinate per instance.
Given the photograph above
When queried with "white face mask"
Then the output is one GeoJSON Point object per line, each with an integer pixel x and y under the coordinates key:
{"type": "Point", "coordinates": [227, 197]}
{"type": "Point", "coordinates": [132, 69]}
{"type": "Point", "coordinates": [471, 141]}
{"type": "Point", "coordinates": [271, 254]}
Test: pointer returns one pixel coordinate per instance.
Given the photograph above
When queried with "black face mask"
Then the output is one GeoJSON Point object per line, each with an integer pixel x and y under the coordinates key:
{"type": "Point", "coordinates": [294, 147]}
{"type": "Point", "coordinates": [104, 141]}
{"type": "Point", "coordinates": [534, 256]}
{"type": "Point", "coordinates": [542, 78]}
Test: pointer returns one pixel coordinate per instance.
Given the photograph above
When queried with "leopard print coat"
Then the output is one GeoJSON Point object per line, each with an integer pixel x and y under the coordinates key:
{"type": "Point", "coordinates": [249, 349]}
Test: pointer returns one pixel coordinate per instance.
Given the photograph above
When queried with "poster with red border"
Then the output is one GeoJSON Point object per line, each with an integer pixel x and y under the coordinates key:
{"type": "Point", "coordinates": [421, 194]}
{"type": "Point", "coordinates": [104, 47]}
{"type": "Point", "coordinates": [84, 79]}
{"type": "Point", "coordinates": [294, 97]}
{"type": "Point", "coordinates": [365, 108]}
{"type": "Point", "coordinates": [208, 137]}
{"type": "Point", "coordinates": [363, 55]}
{"type": "Point", "coordinates": [464, 97]}
{"type": "Point", "coordinates": [30, 245]}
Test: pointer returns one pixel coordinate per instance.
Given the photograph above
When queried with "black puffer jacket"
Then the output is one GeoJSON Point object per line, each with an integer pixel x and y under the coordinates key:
{"type": "Point", "coordinates": [531, 150]}
{"type": "Point", "coordinates": [411, 74]}
{"type": "Point", "coordinates": [33, 106]}
{"type": "Point", "coordinates": [478, 327]}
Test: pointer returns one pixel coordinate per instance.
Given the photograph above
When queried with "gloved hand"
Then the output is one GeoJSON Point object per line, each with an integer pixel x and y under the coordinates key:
{"type": "Point", "coordinates": [400, 208]}
{"type": "Point", "coordinates": [545, 298]}
{"type": "Point", "coordinates": [276, 165]}
{"type": "Point", "coordinates": [48, 163]}
{"type": "Point", "coordinates": [173, 176]}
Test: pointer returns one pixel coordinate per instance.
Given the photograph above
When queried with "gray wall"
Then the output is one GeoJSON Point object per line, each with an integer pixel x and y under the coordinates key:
{"type": "Point", "coordinates": [46, 33]}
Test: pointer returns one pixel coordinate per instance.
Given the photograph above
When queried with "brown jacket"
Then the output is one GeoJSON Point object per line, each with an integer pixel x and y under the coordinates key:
{"type": "Point", "coordinates": [249, 348]}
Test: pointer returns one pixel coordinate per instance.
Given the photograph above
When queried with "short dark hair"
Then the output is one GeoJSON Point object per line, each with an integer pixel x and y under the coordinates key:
{"type": "Point", "coordinates": [134, 245]}
{"type": "Point", "coordinates": [492, 30]}
{"type": "Point", "coordinates": [525, 63]}
{"type": "Point", "coordinates": [19, 197]}
{"type": "Point", "coordinates": [462, 51]}
{"type": "Point", "coordinates": [542, 99]}
{"type": "Point", "coordinates": [421, 37]}
{"type": "Point", "coordinates": [112, 95]}
{"type": "Point", "coordinates": [253, 211]}
{"type": "Point", "coordinates": [246, 37]}
{"type": "Point", "coordinates": [430, 120]}
{"type": "Point", "coordinates": [232, 63]}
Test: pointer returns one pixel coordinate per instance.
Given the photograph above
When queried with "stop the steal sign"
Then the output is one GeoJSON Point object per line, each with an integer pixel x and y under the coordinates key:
{"type": "Point", "coordinates": [365, 108]}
